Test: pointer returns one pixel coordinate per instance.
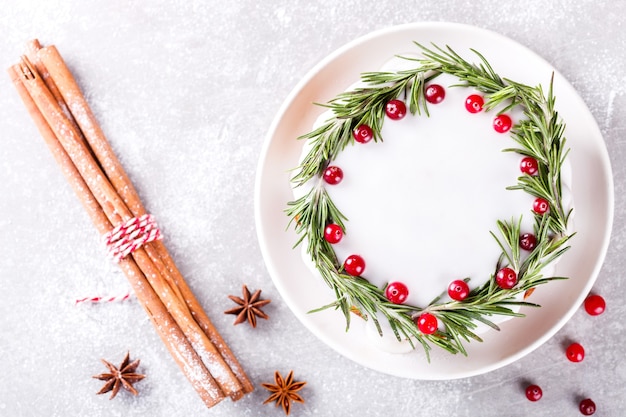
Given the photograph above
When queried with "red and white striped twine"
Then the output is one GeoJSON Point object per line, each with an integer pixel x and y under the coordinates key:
{"type": "Point", "coordinates": [110, 299]}
{"type": "Point", "coordinates": [129, 236]}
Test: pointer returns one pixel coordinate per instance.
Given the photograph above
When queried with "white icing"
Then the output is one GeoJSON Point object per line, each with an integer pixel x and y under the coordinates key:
{"type": "Point", "coordinates": [421, 203]}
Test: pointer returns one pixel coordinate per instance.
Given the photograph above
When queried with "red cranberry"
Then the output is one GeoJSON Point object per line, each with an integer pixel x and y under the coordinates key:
{"type": "Point", "coordinates": [540, 205]}
{"type": "Point", "coordinates": [595, 305]}
{"type": "Point", "coordinates": [354, 265]}
{"type": "Point", "coordinates": [458, 290]}
{"type": "Point", "coordinates": [527, 241]}
{"type": "Point", "coordinates": [474, 103]}
{"type": "Point", "coordinates": [502, 123]}
{"type": "Point", "coordinates": [506, 278]}
{"type": "Point", "coordinates": [396, 292]}
{"type": "Point", "coordinates": [529, 165]}
{"type": "Point", "coordinates": [575, 352]}
{"type": "Point", "coordinates": [395, 109]}
{"type": "Point", "coordinates": [587, 407]}
{"type": "Point", "coordinates": [333, 233]}
{"type": "Point", "coordinates": [427, 323]}
{"type": "Point", "coordinates": [534, 392]}
{"type": "Point", "coordinates": [363, 134]}
{"type": "Point", "coordinates": [435, 93]}
{"type": "Point", "coordinates": [333, 175]}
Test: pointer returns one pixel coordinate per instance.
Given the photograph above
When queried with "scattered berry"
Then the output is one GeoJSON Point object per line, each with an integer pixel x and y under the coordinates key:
{"type": "Point", "coordinates": [435, 93]}
{"type": "Point", "coordinates": [587, 407]}
{"type": "Point", "coordinates": [354, 265]}
{"type": "Point", "coordinates": [506, 278]}
{"type": "Point", "coordinates": [575, 352]}
{"type": "Point", "coordinates": [534, 393]}
{"type": "Point", "coordinates": [396, 292]}
{"type": "Point", "coordinates": [595, 305]}
{"type": "Point", "coordinates": [333, 233]}
{"type": "Point", "coordinates": [395, 109]}
{"type": "Point", "coordinates": [474, 103]}
{"type": "Point", "coordinates": [333, 175]}
{"type": "Point", "coordinates": [427, 323]}
{"type": "Point", "coordinates": [458, 290]}
{"type": "Point", "coordinates": [502, 123]}
{"type": "Point", "coordinates": [540, 205]}
{"type": "Point", "coordinates": [363, 134]}
{"type": "Point", "coordinates": [529, 165]}
{"type": "Point", "coordinates": [527, 241]}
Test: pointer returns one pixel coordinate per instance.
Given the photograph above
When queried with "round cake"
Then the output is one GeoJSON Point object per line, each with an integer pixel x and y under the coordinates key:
{"type": "Point", "coordinates": [411, 218]}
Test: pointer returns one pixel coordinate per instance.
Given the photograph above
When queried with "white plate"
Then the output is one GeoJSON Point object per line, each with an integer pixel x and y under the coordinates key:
{"type": "Point", "coordinates": [592, 189]}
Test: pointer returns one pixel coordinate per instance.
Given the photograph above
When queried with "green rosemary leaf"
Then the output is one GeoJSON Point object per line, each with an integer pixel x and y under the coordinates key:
{"type": "Point", "coordinates": [539, 135]}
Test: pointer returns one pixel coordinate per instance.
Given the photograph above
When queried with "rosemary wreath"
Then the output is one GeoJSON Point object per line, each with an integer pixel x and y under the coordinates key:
{"type": "Point", "coordinates": [538, 135]}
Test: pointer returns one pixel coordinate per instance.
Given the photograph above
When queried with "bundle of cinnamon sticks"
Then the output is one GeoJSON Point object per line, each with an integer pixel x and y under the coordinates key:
{"type": "Point", "coordinates": [68, 126]}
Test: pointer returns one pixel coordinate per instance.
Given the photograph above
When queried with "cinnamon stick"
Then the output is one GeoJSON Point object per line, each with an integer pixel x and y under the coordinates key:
{"type": "Point", "coordinates": [203, 320]}
{"type": "Point", "coordinates": [63, 160]}
{"type": "Point", "coordinates": [171, 335]}
{"type": "Point", "coordinates": [32, 48]}
{"type": "Point", "coordinates": [70, 91]}
{"type": "Point", "coordinates": [117, 212]}
{"type": "Point", "coordinates": [90, 157]}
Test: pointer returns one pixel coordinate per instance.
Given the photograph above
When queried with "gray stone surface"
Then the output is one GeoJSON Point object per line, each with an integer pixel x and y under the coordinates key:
{"type": "Point", "coordinates": [186, 91]}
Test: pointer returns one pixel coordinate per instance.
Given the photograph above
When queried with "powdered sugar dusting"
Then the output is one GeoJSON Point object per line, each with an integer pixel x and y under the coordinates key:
{"type": "Point", "coordinates": [185, 92]}
{"type": "Point", "coordinates": [610, 109]}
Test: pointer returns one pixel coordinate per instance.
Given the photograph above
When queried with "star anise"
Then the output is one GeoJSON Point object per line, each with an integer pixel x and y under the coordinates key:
{"type": "Point", "coordinates": [249, 307]}
{"type": "Point", "coordinates": [284, 391]}
{"type": "Point", "coordinates": [124, 376]}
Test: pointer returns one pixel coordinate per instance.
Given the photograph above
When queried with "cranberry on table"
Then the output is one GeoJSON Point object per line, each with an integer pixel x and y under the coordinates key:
{"type": "Point", "coordinates": [354, 265]}
{"type": "Point", "coordinates": [534, 392]}
{"type": "Point", "coordinates": [434, 93]}
{"type": "Point", "coordinates": [502, 123]}
{"type": "Point", "coordinates": [395, 109]}
{"type": "Point", "coordinates": [540, 205]}
{"type": "Point", "coordinates": [575, 352]}
{"type": "Point", "coordinates": [458, 290]}
{"type": "Point", "coordinates": [363, 134]}
{"type": "Point", "coordinates": [333, 175]}
{"type": "Point", "coordinates": [506, 278]}
{"type": "Point", "coordinates": [427, 323]}
{"type": "Point", "coordinates": [595, 305]}
{"type": "Point", "coordinates": [474, 103]}
{"type": "Point", "coordinates": [587, 407]}
{"type": "Point", "coordinates": [527, 241]}
{"type": "Point", "coordinates": [396, 292]}
{"type": "Point", "coordinates": [529, 165]}
{"type": "Point", "coordinates": [333, 233]}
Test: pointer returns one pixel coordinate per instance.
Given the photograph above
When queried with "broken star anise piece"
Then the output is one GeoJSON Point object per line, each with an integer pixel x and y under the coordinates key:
{"type": "Point", "coordinates": [249, 307]}
{"type": "Point", "coordinates": [124, 376]}
{"type": "Point", "coordinates": [284, 391]}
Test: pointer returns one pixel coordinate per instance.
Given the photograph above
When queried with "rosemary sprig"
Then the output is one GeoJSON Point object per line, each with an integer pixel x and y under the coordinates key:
{"type": "Point", "coordinates": [540, 135]}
